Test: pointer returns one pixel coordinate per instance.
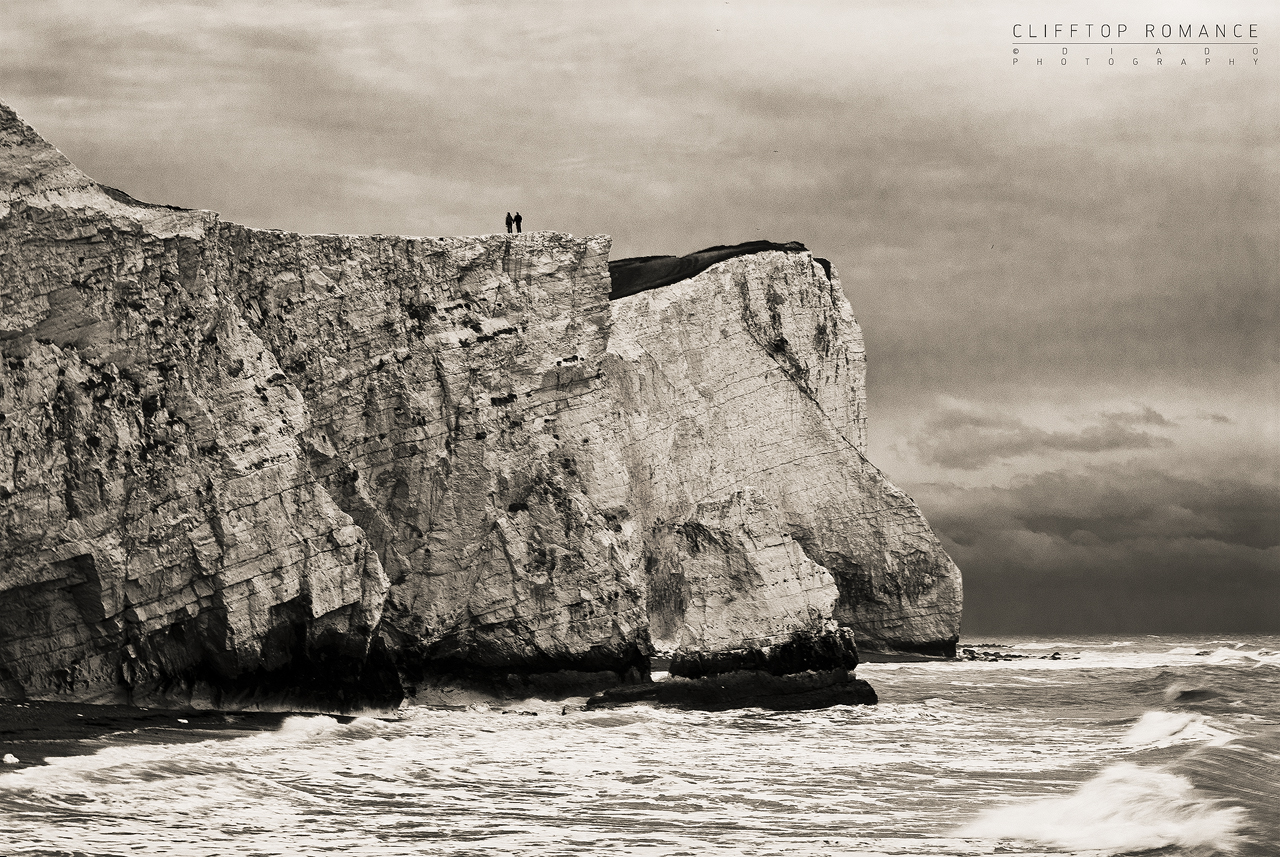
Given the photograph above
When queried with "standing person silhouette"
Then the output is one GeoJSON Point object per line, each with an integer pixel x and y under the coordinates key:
{"type": "Point", "coordinates": [509, 221]}
{"type": "Point", "coordinates": [517, 219]}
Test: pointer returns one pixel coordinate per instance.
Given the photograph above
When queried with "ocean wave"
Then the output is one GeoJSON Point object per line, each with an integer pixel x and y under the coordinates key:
{"type": "Point", "coordinates": [1234, 656]}
{"type": "Point", "coordinates": [1166, 728]}
{"type": "Point", "coordinates": [155, 754]}
{"type": "Point", "coordinates": [1125, 808]}
{"type": "Point", "coordinates": [1227, 654]}
{"type": "Point", "coordinates": [1182, 692]}
{"type": "Point", "coordinates": [1243, 771]}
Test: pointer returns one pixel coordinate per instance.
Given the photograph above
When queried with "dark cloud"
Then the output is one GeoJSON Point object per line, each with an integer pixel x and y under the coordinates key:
{"type": "Point", "coordinates": [966, 440]}
{"type": "Point", "coordinates": [1114, 549]}
{"type": "Point", "coordinates": [1114, 505]}
{"type": "Point", "coordinates": [1211, 592]}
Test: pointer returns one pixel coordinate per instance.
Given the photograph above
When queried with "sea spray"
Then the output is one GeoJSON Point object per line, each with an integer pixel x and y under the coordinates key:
{"type": "Point", "coordinates": [1125, 808]}
{"type": "Point", "coordinates": [1166, 728]}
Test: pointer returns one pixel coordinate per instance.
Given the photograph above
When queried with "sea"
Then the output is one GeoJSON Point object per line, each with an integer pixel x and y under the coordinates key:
{"type": "Point", "coordinates": [1156, 745]}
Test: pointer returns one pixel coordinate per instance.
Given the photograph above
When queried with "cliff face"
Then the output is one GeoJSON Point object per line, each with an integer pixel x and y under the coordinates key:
{"type": "Point", "coordinates": [753, 374]}
{"type": "Point", "coordinates": [239, 463]}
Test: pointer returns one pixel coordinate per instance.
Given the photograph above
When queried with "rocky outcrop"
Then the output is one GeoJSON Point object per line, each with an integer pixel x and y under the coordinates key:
{"type": "Point", "coordinates": [806, 650]}
{"type": "Point", "coordinates": [239, 465]}
{"type": "Point", "coordinates": [745, 689]}
{"type": "Point", "coordinates": [812, 669]}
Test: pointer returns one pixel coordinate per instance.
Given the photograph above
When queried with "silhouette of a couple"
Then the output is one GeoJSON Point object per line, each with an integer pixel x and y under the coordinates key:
{"type": "Point", "coordinates": [514, 220]}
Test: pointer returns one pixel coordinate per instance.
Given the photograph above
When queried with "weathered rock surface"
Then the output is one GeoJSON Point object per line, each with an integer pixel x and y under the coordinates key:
{"type": "Point", "coordinates": [712, 576]}
{"type": "Point", "coordinates": [242, 465]}
{"type": "Point", "coordinates": [752, 374]}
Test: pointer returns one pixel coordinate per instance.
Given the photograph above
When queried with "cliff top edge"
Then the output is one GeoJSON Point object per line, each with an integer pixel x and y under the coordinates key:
{"type": "Point", "coordinates": [30, 167]}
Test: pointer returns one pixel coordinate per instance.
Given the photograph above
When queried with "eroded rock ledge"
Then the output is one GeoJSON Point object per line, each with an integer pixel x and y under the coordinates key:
{"type": "Point", "coordinates": [639, 274]}
{"type": "Point", "coordinates": [245, 467]}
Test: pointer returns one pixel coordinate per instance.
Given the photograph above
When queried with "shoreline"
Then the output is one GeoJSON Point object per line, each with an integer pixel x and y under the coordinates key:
{"type": "Point", "coordinates": [33, 731]}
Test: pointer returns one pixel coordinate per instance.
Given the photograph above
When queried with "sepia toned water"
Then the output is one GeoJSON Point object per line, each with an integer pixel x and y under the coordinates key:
{"type": "Point", "coordinates": [1123, 745]}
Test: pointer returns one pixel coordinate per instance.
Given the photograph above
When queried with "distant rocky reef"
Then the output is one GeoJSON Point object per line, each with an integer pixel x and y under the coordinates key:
{"type": "Point", "coordinates": [243, 467]}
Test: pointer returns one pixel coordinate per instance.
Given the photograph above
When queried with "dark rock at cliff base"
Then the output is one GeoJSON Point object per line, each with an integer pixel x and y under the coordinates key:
{"type": "Point", "coordinates": [811, 669]}
{"type": "Point", "coordinates": [435, 678]}
{"type": "Point", "coordinates": [641, 273]}
{"type": "Point", "coordinates": [745, 689]}
{"type": "Point", "coordinates": [832, 650]}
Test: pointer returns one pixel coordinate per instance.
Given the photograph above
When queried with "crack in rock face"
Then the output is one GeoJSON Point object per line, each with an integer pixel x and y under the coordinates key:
{"type": "Point", "coordinates": [243, 467]}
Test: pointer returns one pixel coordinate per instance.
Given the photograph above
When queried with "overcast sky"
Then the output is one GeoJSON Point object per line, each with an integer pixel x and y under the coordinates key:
{"type": "Point", "coordinates": [1067, 275]}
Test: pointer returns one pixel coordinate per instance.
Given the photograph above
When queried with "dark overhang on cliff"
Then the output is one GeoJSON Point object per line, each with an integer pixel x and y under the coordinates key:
{"type": "Point", "coordinates": [641, 273]}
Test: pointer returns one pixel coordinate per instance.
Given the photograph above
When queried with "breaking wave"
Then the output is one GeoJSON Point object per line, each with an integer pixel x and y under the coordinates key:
{"type": "Point", "coordinates": [1125, 808]}
{"type": "Point", "coordinates": [1166, 728]}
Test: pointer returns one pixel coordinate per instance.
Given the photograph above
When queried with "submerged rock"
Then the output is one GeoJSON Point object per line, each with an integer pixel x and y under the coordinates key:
{"type": "Point", "coordinates": [243, 467]}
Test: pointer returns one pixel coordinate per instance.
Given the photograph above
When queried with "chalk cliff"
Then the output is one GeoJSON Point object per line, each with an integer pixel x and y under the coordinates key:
{"type": "Point", "coordinates": [239, 465]}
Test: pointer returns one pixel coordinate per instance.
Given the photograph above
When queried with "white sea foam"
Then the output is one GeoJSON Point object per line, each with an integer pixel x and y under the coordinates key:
{"type": "Point", "coordinates": [948, 741]}
{"type": "Point", "coordinates": [1125, 808]}
{"type": "Point", "coordinates": [1236, 656]}
{"type": "Point", "coordinates": [1112, 655]}
{"type": "Point", "coordinates": [1166, 728]}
